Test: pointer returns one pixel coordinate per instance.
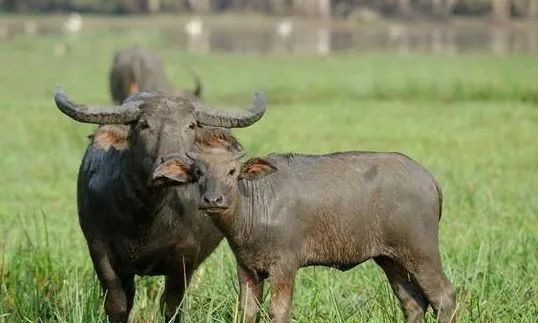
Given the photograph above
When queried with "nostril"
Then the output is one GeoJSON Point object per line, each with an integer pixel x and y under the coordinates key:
{"type": "Point", "coordinates": [213, 199]}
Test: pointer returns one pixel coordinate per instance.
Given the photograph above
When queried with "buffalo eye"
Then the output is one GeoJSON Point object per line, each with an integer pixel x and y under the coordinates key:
{"type": "Point", "coordinates": [231, 172]}
{"type": "Point", "coordinates": [199, 173]}
{"type": "Point", "coordinates": [192, 126]}
{"type": "Point", "coordinates": [143, 124]}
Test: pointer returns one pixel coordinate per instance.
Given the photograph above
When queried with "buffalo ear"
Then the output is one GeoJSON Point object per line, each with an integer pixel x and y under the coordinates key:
{"type": "Point", "coordinates": [256, 168]}
{"type": "Point", "coordinates": [173, 172]}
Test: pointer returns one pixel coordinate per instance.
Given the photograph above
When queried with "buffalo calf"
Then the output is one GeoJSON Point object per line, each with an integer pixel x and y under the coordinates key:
{"type": "Point", "coordinates": [284, 212]}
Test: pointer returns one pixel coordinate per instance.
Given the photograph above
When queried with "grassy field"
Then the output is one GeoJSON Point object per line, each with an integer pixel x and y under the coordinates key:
{"type": "Point", "coordinates": [472, 120]}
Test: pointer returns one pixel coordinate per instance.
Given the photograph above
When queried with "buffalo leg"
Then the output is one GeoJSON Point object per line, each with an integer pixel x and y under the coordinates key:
{"type": "Point", "coordinates": [174, 291]}
{"type": "Point", "coordinates": [411, 297]}
{"type": "Point", "coordinates": [128, 284]}
{"type": "Point", "coordinates": [439, 291]}
{"type": "Point", "coordinates": [428, 273]}
{"type": "Point", "coordinates": [282, 283]}
{"type": "Point", "coordinates": [250, 295]}
{"type": "Point", "coordinates": [119, 289]}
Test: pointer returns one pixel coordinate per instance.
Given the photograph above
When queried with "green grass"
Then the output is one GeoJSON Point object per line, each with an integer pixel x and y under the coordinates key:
{"type": "Point", "coordinates": [472, 120]}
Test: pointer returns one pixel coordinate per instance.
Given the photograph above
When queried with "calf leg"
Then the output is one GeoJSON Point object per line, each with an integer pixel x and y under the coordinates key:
{"type": "Point", "coordinates": [250, 295]}
{"type": "Point", "coordinates": [439, 291]}
{"type": "Point", "coordinates": [282, 283]}
{"type": "Point", "coordinates": [119, 289]}
{"type": "Point", "coordinates": [174, 291]}
{"type": "Point", "coordinates": [428, 273]}
{"type": "Point", "coordinates": [412, 300]}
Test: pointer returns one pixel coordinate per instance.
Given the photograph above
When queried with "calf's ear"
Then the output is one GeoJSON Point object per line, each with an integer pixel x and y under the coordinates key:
{"type": "Point", "coordinates": [172, 172]}
{"type": "Point", "coordinates": [256, 168]}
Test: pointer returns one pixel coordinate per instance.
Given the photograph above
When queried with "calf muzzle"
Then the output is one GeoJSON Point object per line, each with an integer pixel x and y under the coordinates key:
{"type": "Point", "coordinates": [213, 203]}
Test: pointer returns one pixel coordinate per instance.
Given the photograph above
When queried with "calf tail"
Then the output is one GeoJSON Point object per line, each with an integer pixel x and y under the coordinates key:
{"type": "Point", "coordinates": [440, 196]}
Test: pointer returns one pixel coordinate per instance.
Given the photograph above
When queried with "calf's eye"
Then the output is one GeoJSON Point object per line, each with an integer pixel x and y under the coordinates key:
{"type": "Point", "coordinates": [192, 125]}
{"type": "Point", "coordinates": [231, 172]}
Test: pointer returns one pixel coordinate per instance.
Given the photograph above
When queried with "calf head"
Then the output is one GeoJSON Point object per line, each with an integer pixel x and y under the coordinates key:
{"type": "Point", "coordinates": [162, 127]}
{"type": "Point", "coordinates": [218, 173]}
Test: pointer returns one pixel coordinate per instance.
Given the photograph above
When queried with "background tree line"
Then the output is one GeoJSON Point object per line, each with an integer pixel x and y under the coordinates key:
{"type": "Point", "coordinates": [499, 9]}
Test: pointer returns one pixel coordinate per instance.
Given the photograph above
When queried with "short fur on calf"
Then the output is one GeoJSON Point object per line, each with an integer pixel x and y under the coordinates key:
{"type": "Point", "coordinates": [284, 212]}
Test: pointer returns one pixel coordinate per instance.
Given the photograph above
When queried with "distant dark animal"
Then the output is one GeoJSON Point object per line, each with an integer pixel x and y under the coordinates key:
{"type": "Point", "coordinates": [285, 212]}
{"type": "Point", "coordinates": [135, 69]}
{"type": "Point", "coordinates": [134, 220]}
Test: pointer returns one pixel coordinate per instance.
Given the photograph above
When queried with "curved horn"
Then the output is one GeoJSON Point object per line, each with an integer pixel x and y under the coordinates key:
{"type": "Point", "coordinates": [125, 113]}
{"type": "Point", "coordinates": [192, 155]}
{"type": "Point", "coordinates": [197, 91]}
{"type": "Point", "coordinates": [230, 119]}
{"type": "Point", "coordinates": [198, 86]}
{"type": "Point", "coordinates": [240, 154]}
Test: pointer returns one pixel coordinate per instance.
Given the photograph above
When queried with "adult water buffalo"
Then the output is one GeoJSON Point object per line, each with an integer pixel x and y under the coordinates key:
{"type": "Point", "coordinates": [133, 218]}
{"type": "Point", "coordinates": [136, 69]}
{"type": "Point", "coordinates": [289, 211]}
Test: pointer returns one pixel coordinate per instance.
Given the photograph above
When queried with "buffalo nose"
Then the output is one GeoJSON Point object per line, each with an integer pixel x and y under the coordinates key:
{"type": "Point", "coordinates": [213, 199]}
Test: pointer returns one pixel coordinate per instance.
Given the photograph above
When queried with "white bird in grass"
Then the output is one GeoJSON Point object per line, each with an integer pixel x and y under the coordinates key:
{"type": "Point", "coordinates": [73, 24]}
{"type": "Point", "coordinates": [194, 26]}
{"type": "Point", "coordinates": [284, 28]}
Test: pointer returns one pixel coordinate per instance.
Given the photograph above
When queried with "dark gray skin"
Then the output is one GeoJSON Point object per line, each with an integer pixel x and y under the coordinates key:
{"type": "Point", "coordinates": [135, 221]}
{"type": "Point", "coordinates": [289, 211]}
{"type": "Point", "coordinates": [136, 69]}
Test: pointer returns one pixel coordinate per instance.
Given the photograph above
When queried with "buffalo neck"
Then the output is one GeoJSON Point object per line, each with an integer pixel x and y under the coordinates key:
{"type": "Point", "coordinates": [146, 200]}
{"type": "Point", "coordinates": [243, 221]}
